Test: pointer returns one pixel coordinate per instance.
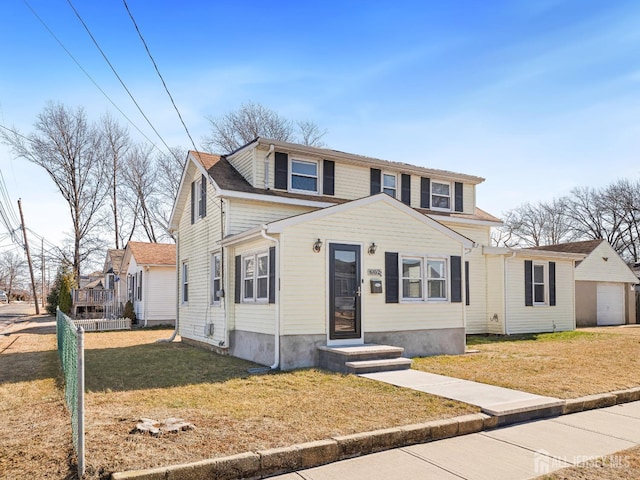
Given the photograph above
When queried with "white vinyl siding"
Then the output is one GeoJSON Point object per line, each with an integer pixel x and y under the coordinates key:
{"type": "Point", "coordinates": [544, 318]}
{"type": "Point", "coordinates": [195, 243]}
{"type": "Point", "coordinates": [493, 322]}
{"type": "Point", "coordinates": [244, 164]}
{"type": "Point", "coordinates": [245, 214]}
{"type": "Point", "coordinates": [351, 181]}
{"type": "Point", "coordinates": [304, 280]}
{"type": "Point", "coordinates": [595, 268]}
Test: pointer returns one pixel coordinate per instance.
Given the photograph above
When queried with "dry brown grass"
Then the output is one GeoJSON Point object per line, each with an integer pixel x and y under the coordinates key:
{"type": "Point", "coordinates": [564, 365]}
{"type": "Point", "coordinates": [620, 466]}
{"type": "Point", "coordinates": [35, 440]}
{"type": "Point", "coordinates": [129, 376]}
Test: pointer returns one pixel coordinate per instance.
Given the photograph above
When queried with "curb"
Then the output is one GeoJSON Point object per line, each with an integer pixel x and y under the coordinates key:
{"type": "Point", "coordinates": [276, 461]}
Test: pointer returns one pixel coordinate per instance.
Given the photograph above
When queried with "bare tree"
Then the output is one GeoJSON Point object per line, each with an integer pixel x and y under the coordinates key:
{"type": "Point", "coordinates": [537, 224]}
{"type": "Point", "coordinates": [66, 146]}
{"type": "Point", "coordinates": [142, 188]}
{"type": "Point", "coordinates": [13, 269]}
{"type": "Point", "coordinates": [115, 144]}
{"type": "Point", "coordinates": [168, 175]}
{"type": "Point", "coordinates": [252, 120]}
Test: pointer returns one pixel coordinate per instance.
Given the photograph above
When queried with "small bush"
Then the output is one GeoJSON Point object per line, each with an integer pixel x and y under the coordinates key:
{"type": "Point", "coordinates": [129, 312]}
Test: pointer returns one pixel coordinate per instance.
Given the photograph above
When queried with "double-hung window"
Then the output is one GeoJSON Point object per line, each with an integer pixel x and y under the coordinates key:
{"type": "Point", "coordinates": [440, 195]}
{"type": "Point", "coordinates": [389, 184]}
{"type": "Point", "coordinates": [185, 282]}
{"type": "Point", "coordinates": [139, 286]}
{"type": "Point", "coordinates": [216, 275]}
{"type": "Point", "coordinates": [539, 289]}
{"type": "Point", "coordinates": [304, 176]}
{"type": "Point", "coordinates": [424, 278]}
{"type": "Point", "coordinates": [255, 277]}
{"type": "Point", "coordinates": [412, 278]}
{"type": "Point", "coordinates": [436, 279]}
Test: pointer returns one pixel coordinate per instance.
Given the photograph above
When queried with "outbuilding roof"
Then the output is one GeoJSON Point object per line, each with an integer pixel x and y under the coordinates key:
{"type": "Point", "coordinates": [153, 253]}
{"type": "Point", "coordinates": [584, 247]}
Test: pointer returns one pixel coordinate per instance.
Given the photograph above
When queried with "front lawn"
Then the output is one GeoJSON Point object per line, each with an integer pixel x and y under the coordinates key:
{"type": "Point", "coordinates": [563, 365]}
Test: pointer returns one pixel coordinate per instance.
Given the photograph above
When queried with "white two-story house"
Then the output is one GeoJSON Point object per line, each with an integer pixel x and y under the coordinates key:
{"type": "Point", "coordinates": [284, 248]}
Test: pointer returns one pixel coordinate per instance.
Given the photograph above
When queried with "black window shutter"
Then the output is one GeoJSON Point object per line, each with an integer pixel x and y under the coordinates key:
{"type": "Point", "coordinates": [406, 189]}
{"type": "Point", "coordinates": [376, 179]}
{"type": "Point", "coordinates": [425, 192]}
{"type": "Point", "coordinates": [459, 207]}
{"type": "Point", "coordinates": [272, 274]}
{"type": "Point", "coordinates": [466, 283]}
{"type": "Point", "coordinates": [456, 279]}
{"type": "Point", "coordinates": [391, 277]}
{"type": "Point", "coordinates": [203, 197]}
{"type": "Point", "coordinates": [528, 284]}
{"type": "Point", "coordinates": [193, 202]}
{"type": "Point", "coordinates": [552, 284]}
{"type": "Point", "coordinates": [281, 179]}
{"type": "Point", "coordinates": [238, 286]}
{"type": "Point", "coordinates": [328, 177]}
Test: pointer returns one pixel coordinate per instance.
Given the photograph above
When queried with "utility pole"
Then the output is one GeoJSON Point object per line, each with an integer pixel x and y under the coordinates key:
{"type": "Point", "coordinates": [26, 247]}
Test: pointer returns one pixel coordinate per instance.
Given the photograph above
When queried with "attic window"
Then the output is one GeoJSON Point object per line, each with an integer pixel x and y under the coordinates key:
{"type": "Point", "coordinates": [304, 176]}
{"type": "Point", "coordinates": [440, 196]}
{"type": "Point", "coordinates": [389, 182]}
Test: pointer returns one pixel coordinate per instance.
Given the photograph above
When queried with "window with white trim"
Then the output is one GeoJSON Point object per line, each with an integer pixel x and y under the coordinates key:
{"type": "Point", "coordinates": [304, 176]}
{"type": "Point", "coordinates": [389, 184]}
{"type": "Point", "coordinates": [216, 276]}
{"type": "Point", "coordinates": [440, 195]}
{"type": "Point", "coordinates": [538, 284]}
{"type": "Point", "coordinates": [255, 277]}
{"type": "Point", "coordinates": [185, 282]}
{"type": "Point", "coordinates": [412, 278]}
{"type": "Point", "coordinates": [200, 198]}
{"type": "Point", "coordinates": [436, 279]}
{"type": "Point", "coordinates": [139, 286]}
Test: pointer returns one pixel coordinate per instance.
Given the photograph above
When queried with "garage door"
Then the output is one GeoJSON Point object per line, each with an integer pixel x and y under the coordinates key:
{"type": "Point", "coordinates": [610, 297]}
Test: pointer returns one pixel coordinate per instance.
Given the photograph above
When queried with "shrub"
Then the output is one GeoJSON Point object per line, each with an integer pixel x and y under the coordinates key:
{"type": "Point", "coordinates": [129, 312]}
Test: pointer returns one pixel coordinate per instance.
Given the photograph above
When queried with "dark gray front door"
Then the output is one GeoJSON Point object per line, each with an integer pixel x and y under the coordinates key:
{"type": "Point", "coordinates": [344, 291]}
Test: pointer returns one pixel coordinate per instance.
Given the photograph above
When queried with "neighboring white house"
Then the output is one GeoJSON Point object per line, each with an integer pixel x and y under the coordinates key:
{"type": "Point", "coordinates": [605, 292]}
{"type": "Point", "coordinates": [115, 277]}
{"type": "Point", "coordinates": [283, 249]}
{"type": "Point", "coordinates": [151, 281]}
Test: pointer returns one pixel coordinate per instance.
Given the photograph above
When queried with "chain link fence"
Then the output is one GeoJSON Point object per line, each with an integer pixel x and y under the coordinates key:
{"type": "Point", "coordinates": [71, 352]}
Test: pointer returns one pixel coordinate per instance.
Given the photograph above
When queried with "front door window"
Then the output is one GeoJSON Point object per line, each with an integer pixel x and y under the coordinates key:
{"type": "Point", "coordinates": [344, 291]}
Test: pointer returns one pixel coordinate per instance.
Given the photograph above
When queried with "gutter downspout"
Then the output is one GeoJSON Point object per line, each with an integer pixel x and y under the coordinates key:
{"type": "Point", "coordinates": [276, 361]}
{"type": "Point", "coordinates": [266, 166]}
{"type": "Point", "coordinates": [144, 300]}
{"type": "Point", "coordinates": [175, 331]}
{"type": "Point", "coordinates": [506, 290]}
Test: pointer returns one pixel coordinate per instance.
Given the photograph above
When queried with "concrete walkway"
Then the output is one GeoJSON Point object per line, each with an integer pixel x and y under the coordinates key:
{"type": "Point", "coordinates": [497, 401]}
{"type": "Point", "coordinates": [516, 452]}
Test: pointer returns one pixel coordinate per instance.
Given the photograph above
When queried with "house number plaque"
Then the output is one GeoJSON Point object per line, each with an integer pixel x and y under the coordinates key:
{"type": "Point", "coordinates": [374, 272]}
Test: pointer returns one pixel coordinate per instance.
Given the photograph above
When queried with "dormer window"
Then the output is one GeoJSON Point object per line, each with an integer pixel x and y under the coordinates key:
{"type": "Point", "coordinates": [440, 195]}
{"type": "Point", "coordinates": [389, 184]}
{"type": "Point", "coordinates": [304, 176]}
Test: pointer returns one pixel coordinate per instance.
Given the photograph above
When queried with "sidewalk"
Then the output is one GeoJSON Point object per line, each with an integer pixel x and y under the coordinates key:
{"type": "Point", "coordinates": [516, 452]}
{"type": "Point", "coordinates": [495, 401]}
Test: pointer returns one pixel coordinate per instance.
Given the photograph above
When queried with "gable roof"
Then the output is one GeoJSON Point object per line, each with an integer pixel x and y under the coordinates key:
{"type": "Point", "coordinates": [152, 254]}
{"type": "Point", "coordinates": [115, 256]}
{"type": "Point", "coordinates": [584, 247]}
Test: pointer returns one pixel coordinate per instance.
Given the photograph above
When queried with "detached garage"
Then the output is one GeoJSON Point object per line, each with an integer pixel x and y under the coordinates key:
{"type": "Point", "coordinates": [604, 284]}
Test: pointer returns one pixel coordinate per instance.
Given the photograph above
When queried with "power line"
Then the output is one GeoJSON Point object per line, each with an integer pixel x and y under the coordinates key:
{"type": "Point", "coordinates": [159, 74]}
{"type": "Point", "coordinates": [87, 74]}
{"type": "Point", "coordinates": [95, 42]}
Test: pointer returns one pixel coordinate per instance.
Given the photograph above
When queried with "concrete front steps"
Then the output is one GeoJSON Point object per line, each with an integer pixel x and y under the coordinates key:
{"type": "Point", "coordinates": [359, 359]}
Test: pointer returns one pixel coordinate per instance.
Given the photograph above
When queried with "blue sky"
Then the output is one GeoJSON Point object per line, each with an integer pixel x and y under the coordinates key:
{"type": "Point", "coordinates": [536, 97]}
